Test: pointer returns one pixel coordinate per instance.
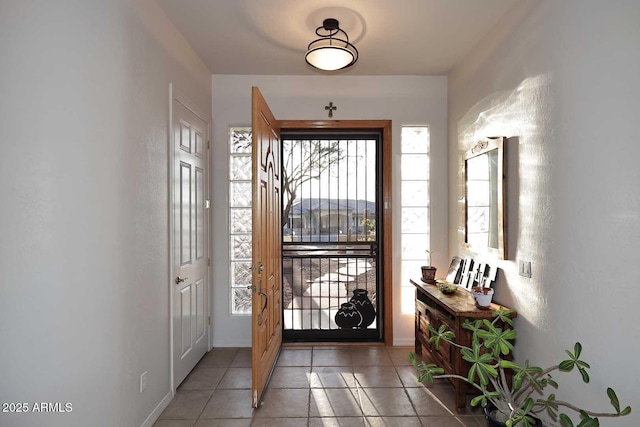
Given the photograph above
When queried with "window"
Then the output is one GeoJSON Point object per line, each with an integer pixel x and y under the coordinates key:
{"type": "Point", "coordinates": [240, 219]}
{"type": "Point", "coordinates": [414, 201]}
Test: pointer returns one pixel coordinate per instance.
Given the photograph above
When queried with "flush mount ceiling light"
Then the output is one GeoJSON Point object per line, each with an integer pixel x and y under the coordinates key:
{"type": "Point", "coordinates": [332, 51]}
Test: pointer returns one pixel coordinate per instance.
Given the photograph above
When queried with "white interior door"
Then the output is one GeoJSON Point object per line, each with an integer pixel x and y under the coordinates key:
{"type": "Point", "coordinates": [190, 245]}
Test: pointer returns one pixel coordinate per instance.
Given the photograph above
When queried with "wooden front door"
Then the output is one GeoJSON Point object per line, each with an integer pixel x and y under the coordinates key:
{"type": "Point", "coordinates": [266, 256]}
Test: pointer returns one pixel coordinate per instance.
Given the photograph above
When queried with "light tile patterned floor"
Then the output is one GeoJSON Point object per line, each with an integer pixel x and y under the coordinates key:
{"type": "Point", "coordinates": [315, 386]}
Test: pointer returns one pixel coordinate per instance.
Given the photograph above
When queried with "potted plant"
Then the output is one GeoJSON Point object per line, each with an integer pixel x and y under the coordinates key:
{"type": "Point", "coordinates": [516, 392]}
{"type": "Point", "coordinates": [482, 296]}
{"type": "Point", "coordinates": [429, 271]}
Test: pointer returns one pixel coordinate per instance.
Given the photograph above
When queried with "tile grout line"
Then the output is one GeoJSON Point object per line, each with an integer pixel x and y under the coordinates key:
{"type": "Point", "coordinates": [359, 393]}
{"type": "Point", "coordinates": [214, 390]}
{"type": "Point", "coordinates": [309, 395]}
{"type": "Point", "coordinates": [406, 392]}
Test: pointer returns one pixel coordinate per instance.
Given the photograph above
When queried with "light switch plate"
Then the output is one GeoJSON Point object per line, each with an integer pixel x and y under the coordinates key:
{"type": "Point", "coordinates": [524, 268]}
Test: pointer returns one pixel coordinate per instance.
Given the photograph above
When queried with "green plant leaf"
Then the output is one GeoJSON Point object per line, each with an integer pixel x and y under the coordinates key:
{"type": "Point", "coordinates": [589, 422]}
{"type": "Point", "coordinates": [566, 365]}
{"type": "Point", "coordinates": [504, 315]}
{"type": "Point", "coordinates": [530, 373]}
{"type": "Point", "coordinates": [565, 421]}
{"type": "Point", "coordinates": [585, 375]}
{"type": "Point", "coordinates": [481, 364]}
{"type": "Point", "coordinates": [517, 380]}
{"type": "Point", "coordinates": [426, 371]}
{"type": "Point", "coordinates": [479, 399]}
{"type": "Point", "coordinates": [507, 364]}
{"type": "Point", "coordinates": [472, 326]}
{"type": "Point", "coordinates": [614, 399]}
{"type": "Point", "coordinates": [440, 334]}
{"type": "Point", "coordinates": [529, 421]}
{"type": "Point", "coordinates": [528, 405]}
{"type": "Point", "coordinates": [550, 405]}
{"type": "Point", "coordinates": [577, 349]}
{"type": "Point", "coordinates": [616, 403]}
{"type": "Point", "coordinates": [574, 360]}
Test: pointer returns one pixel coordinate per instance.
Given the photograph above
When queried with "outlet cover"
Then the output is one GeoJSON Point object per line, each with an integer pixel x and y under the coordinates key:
{"type": "Point", "coordinates": [524, 268]}
{"type": "Point", "coordinates": [143, 381]}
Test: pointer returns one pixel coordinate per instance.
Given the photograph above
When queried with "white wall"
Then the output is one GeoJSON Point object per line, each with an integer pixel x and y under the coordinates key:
{"type": "Point", "coordinates": [84, 305]}
{"type": "Point", "coordinates": [561, 79]}
{"type": "Point", "coordinates": [406, 100]}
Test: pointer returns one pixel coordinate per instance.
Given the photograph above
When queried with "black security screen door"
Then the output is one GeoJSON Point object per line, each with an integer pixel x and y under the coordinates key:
{"type": "Point", "coordinates": [331, 236]}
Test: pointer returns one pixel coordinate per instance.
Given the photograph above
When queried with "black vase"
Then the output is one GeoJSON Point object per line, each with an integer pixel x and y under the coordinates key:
{"type": "Point", "coordinates": [347, 316]}
{"type": "Point", "coordinates": [492, 422]}
{"type": "Point", "coordinates": [363, 304]}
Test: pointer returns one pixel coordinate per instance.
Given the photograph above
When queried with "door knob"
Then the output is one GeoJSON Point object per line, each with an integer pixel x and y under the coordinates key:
{"type": "Point", "coordinates": [180, 279]}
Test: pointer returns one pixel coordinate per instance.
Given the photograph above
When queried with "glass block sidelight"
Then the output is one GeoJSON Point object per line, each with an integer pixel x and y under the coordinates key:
{"type": "Point", "coordinates": [415, 139]}
{"type": "Point", "coordinates": [241, 302]}
{"type": "Point", "coordinates": [414, 193]}
{"type": "Point", "coordinates": [415, 220]}
{"type": "Point", "coordinates": [415, 212]}
{"type": "Point", "coordinates": [414, 246]}
{"type": "Point", "coordinates": [240, 168]}
{"type": "Point", "coordinates": [240, 220]}
{"type": "Point", "coordinates": [240, 140]}
{"type": "Point", "coordinates": [241, 246]}
{"type": "Point", "coordinates": [240, 195]}
{"type": "Point", "coordinates": [241, 273]}
{"type": "Point", "coordinates": [415, 167]}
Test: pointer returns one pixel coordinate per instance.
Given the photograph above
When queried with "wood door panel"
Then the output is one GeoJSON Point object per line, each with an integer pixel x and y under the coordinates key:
{"type": "Point", "coordinates": [266, 249]}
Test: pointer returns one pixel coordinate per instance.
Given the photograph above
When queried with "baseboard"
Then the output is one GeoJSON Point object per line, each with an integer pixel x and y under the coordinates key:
{"type": "Point", "coordinates": [404, 342]}
{"type": "Point", "coordinates": [155, 414]}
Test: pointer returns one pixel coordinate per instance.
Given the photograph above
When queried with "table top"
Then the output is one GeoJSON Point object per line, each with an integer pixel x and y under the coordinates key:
{"type": "Point", "coordinates": [461, 303]}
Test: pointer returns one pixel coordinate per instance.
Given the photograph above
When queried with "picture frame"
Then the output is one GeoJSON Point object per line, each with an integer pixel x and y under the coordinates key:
{"type": "Point", "coordinates": [455, 272]}
{"type": "Point", "coordinates": [466, 273]}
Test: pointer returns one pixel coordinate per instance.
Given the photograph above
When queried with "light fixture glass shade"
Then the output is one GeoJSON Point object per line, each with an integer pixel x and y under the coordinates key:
{"type": "Point", "coordinates": [329, 58]}
{"type": "Point", "coordinates": [332, 51]}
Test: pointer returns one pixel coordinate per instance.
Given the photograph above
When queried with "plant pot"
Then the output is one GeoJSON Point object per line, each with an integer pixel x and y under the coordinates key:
{"type": "Point", "coordinates": [492, 422]}
{"type": "Point", "coordinates": [483, 296]}
{"type": "Point", "coordinates": [428, 274]}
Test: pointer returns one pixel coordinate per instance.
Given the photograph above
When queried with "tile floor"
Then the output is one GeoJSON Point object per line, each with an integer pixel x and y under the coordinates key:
{"type": "Point", "coordinates": [313, 386]}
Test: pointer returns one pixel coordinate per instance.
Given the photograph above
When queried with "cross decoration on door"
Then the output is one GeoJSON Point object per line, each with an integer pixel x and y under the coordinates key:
{"type": "Point", "coordinates": [330, 107]}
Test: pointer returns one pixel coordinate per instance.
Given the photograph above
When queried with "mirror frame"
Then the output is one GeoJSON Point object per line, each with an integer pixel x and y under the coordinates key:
{"type": "Point", "coordinates": [480, 148]}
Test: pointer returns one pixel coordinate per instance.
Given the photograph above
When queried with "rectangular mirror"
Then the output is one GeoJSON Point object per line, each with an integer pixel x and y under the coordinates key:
{"type": "Point", "coordinates": [485, 184]}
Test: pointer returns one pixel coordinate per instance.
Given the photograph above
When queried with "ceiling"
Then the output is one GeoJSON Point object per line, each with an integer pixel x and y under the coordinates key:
{"type": "Point", "coordinates": [393, 37]}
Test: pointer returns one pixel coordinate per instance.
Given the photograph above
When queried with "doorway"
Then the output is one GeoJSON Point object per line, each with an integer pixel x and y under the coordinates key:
{"type": "Point", "coordinates": [332, 235]}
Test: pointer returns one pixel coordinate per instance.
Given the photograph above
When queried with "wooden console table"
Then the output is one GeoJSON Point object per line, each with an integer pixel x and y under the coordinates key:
{"type": "Point", "coordinates": [435, 308]}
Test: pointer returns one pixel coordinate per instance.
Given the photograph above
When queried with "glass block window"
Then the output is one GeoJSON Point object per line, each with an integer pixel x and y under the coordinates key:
{"type": "Point", "coordinates": [240, 219]}
{"type": "Point", "coordinates": [414, 201]}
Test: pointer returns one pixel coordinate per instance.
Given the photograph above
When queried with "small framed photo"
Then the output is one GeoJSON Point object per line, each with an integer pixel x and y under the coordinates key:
{"type": "Point", "coordinates": [466, 273]}
{"type": "Point", "coordinates": [455, 271]}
